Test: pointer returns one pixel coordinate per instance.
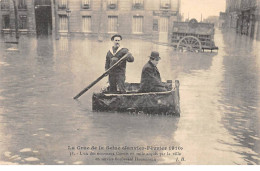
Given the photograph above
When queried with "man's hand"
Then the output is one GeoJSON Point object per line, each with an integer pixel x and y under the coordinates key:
{"type": "Point", "coordinates": [107, 74]}
{"type": "Point", "coordinates": [130, 58]}
{"type": "Point", "coordinates": [168, 86]}
{"type": "Point", "coordinates": [129, 55]}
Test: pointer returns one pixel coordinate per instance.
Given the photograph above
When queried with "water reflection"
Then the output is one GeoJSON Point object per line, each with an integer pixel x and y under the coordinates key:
{"type": "Point", "coordinates": [241, 96]}
{"type": "Point", "coordinates": [200, 61]}
{"type": "Point", "coordinates": [63, 47]}
{"type": "Point", "coordinates": [45, 47]}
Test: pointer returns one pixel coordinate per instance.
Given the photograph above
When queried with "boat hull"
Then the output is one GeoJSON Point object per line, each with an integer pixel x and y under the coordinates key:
{"type": "Point", "coordinates": [152, 103]}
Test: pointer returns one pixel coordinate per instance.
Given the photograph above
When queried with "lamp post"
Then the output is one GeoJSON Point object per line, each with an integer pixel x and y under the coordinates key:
{"type": "Point", "coordinates": [68, 11]}
{"type": "Point", "coordinates": [16, 20]}
{"type": "Point", "coordinates": [1, 25]}
{"type": "Point", "coordinates": [0, 5]}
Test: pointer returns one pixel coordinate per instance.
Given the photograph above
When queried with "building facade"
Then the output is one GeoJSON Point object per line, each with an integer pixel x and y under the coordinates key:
{"type": "Point", "coordinates": [24, 14]}
{"type": "Point", "coordinates": [62, 17]}
{"type": "Point", "coordinates": [232, 9]}
{"type": "Point", "coordinates": [222, 20]}
{"type": "Point", "coordinates": [244, 16]}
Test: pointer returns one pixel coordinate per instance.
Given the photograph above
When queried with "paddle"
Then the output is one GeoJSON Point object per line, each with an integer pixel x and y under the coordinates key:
{"type": "Point", "coordinates": [101, 77]}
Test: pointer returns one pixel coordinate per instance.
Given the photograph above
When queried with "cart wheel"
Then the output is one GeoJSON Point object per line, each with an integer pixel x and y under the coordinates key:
{"type": "Point", "coordinates": [190, 44]}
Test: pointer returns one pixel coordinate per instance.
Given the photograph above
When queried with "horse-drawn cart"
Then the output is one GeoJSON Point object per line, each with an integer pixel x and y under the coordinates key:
{"type": "Point", "coordinates": [193, 36]}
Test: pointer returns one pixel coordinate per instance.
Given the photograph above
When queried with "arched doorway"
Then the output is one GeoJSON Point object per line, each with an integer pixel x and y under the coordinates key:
{"type": "Point", "coordinates": [43, 17]}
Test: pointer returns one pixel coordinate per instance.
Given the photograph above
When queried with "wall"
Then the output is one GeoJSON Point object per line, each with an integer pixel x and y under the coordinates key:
{"type": "Point", "coordinates": [99, 16]}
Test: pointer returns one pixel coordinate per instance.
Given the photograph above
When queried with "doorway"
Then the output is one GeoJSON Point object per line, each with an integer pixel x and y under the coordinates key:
{"type": "Point", "coordinates": [252, 22]}
{"type": "Point", "coordinates": [43, 17]}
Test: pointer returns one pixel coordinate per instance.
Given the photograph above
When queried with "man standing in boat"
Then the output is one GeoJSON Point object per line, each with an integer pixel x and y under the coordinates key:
{"type": "Point", "coordinates": [117, 75]}
{"type": "Point", "coordinates": [151, 79]}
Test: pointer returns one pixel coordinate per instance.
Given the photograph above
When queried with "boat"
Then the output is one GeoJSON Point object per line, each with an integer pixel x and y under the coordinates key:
{"type": "Point", "coordinates": [167, 102]}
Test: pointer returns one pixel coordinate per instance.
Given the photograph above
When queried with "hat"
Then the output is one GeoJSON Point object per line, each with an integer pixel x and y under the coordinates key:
{"type": "Point", "coordinates": [116, 35]}
{"type": "Point", "coordinates": [155, 55]}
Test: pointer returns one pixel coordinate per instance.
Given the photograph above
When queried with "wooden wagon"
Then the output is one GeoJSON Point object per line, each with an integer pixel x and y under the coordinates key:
{"type": "Point", "coordinates": [193, 36]}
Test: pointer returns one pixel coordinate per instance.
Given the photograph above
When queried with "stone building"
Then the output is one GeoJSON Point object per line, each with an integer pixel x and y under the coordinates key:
{"type": "Point", "coordinates": [222, 20]}
{"type": "Point", "coordinates": [25, 16]}
{"type": "Point", "coordinates": [63, 17]}
{"type": "Point", "coordinates": [232, 10]}
{"type": "Point", "coordinates": [244, 16]}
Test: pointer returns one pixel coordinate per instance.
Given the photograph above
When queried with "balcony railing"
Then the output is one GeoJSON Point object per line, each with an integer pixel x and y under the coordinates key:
{"type": "Point", "coordinates": [85, 6]}
{"type": "Point", "coordinates": [138, 6]}
{"type": "Point", "coordinates": [112, 6]}
{"type": "Point", "coordinates": [62, 6]}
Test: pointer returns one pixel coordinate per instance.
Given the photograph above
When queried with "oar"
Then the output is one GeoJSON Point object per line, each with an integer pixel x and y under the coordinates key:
{"type": "Point", "coordinates": [101, 77]}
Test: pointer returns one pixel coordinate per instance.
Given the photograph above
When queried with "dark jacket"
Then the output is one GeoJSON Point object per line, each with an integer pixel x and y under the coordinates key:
{"type": "Point", "coordinates": [112, 58]}
{"type": "Point", "coordinates": [151, 79]}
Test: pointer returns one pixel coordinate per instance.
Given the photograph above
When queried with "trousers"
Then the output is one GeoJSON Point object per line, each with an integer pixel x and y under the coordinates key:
{"type": "Point", "coordinates": [117, 81]}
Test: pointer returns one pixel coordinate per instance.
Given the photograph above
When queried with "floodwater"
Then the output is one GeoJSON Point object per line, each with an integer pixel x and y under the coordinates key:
{"type": "Point", "coordinates": [40, 123]}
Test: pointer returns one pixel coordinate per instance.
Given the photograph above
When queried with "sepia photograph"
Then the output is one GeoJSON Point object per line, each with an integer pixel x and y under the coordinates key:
{"type": "Point", "coordinates": [129, 82]}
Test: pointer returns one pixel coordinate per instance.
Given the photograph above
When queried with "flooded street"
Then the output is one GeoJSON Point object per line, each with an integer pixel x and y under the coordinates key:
{"type": "Point", "coordinates": [40, 122]}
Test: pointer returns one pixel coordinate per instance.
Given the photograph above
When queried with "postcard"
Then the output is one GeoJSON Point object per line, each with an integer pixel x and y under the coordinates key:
{"type": "Point", "coordinates": [129, 82]}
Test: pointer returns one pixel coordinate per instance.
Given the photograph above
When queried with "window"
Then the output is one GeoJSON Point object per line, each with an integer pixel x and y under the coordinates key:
{"type": "Point", "coordinates": [22, 22]}
{"type": "Point", "coordinates": [155, 24]}
{"type": "Point", "coordinates": [22, 4]}
{"type": "Point", "coordinates": [165, 4]}
{"type": "Point", "coordinates": [112, 24]}
{"type": "Point", "coordinates": [62, 4]}
{"type": "Point", "coordinates": [112, 4]}
{"type": "Point", "coordinates": [86, 23]}
{"type": "Point", "coordinates": [138, 24]}
{"type": "Point", "coordinates": [5, 4]}
{"type": "Point", "coordinates": [138, 4]}
{"type": "Point", "coordinates": [42, 2]}
{"type": "Point", "coordinates": [164, 24]}
{"type": "Point", "coordinates": [63, 24]}
{"type": "Point", "coordinates": [85, 4]}
{"type": "Point", "coordinates": [6, 21]}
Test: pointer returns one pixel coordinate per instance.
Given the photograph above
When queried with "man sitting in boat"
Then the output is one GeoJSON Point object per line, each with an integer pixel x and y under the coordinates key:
{"type": "Point", "coordinates": [151, 79]}
{"type": "Point", "coordinates": [117, 75]}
